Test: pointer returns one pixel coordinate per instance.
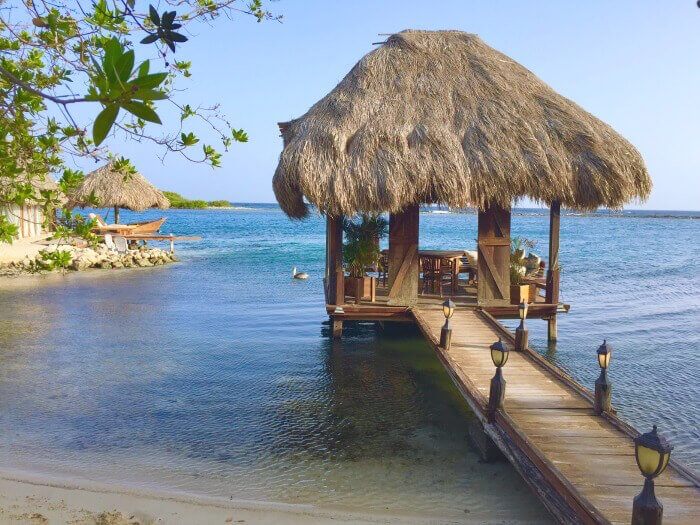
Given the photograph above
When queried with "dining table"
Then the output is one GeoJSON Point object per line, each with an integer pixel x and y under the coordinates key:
{"type": "Point", "coordinates": [452, 256]}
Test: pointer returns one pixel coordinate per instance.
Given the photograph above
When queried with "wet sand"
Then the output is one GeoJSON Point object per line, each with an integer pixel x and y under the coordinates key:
{"type": "Point", "coordinates": [27, 499]}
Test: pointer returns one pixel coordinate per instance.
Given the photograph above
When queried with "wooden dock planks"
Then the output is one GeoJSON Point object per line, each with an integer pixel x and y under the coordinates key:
{"type": "Point", "coordinates": [588, 460]}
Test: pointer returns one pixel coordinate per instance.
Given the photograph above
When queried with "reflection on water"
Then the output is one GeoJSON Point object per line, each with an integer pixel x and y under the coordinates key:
{"type": "Point", "coordinates": [181, 378]}
{"type": "Point", "coordinates": [216, 376]}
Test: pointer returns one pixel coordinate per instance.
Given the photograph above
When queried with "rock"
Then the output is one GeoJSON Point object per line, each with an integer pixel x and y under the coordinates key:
{"type": "Point", "coordinates": [105, 265]}
{"type": "Point", "coordinates": [144, 263]}
{"type": "Point", "coordinates": [118, 264]}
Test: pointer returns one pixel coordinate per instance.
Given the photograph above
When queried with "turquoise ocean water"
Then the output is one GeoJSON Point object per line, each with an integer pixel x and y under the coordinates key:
{"type": "Point", "coordinates": [216, 376]}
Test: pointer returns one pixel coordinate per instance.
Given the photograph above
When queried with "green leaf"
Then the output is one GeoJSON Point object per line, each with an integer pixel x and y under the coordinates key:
{"type": "Point", "coordinates": [150, 39]}
{"type": "Point", "coordinates": [124, 65]}
{"type": "Point", "coordinates": [103, 123]}
{"type": "Point", "coordinates": [188, 139]}
{"type": "Point", "coordinates": [143, 68]}
{"type": "Point", "coordinates": [150, 81]}
{"type": "Point", "coordinates": [148, 94]}
{"type": "Point", "coordinates": [113, 51]}
{"type": "Point", "coordinates": [176, 37]}
{"type": "Point", "coordinates": [168, 18]}
{"type": "Point", "coordinates": [142, 111]}
{"type": "Point", "coordinates": [239, 135]}
{"type": "Point", "coordinates": [153, 15]}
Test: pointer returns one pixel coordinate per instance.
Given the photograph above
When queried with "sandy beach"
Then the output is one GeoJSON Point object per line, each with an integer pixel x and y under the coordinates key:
{"type": "Point", "coordinates": [33, 500]}
{"type": "Point", "coordinates": [21, 248]}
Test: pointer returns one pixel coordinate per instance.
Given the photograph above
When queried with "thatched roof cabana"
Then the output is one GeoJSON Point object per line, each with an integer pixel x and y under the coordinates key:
{"type": "Point", "coordinates": [441, 117]}
{"type": "Point", "coordinates": [113, 188]}
{"type": "Point", "coordinates": [9, 186]}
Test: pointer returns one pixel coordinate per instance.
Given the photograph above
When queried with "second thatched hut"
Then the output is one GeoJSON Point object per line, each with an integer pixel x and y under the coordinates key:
{"type": "Point", "coordinates": [117, 188]}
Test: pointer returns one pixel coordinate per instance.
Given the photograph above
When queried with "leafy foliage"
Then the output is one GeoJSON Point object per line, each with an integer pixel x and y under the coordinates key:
{"type": "Point", "coordinates": [361, 247]}
{"type": "Point", "coordinates": [8, 230]}
{"type": "Point", "coordinates": [178, 201]}
{"type": "Point", "coordinates": [518, 245]}
{"type": "Point", "coordinates": [56, 259]}
{"type": "Point", "coordinates": [109, 55]}
{"type": "Point", "coordinates": [220, 204]}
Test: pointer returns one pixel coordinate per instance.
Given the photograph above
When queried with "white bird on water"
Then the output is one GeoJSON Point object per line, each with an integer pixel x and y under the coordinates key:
{"type": "Point", "coordinates": [302, 276]}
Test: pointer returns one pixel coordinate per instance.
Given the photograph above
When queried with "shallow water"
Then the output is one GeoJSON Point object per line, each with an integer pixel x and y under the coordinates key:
{"type": "Point", "coordinates": [216, 376]}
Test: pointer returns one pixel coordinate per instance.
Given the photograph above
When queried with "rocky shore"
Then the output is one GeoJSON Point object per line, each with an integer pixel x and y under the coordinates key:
{"type": "Point", "coordinates": [79, 259]}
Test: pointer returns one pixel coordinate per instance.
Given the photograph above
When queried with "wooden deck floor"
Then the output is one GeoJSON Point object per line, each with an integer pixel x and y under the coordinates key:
{"type": "Point", "coordinates": [572, 458]}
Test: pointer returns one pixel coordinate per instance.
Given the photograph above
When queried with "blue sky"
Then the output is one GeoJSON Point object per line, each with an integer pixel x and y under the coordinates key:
{"type": "Point", "coordinates": [634, 64]}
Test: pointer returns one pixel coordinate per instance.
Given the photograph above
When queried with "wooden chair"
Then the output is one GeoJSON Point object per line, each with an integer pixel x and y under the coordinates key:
{"type": "Point", "coordinates": [430, 269]}
{"type": "Point", "coordinates": [383, 269]}
{"type": "Point", "coordinates": [448, 276]}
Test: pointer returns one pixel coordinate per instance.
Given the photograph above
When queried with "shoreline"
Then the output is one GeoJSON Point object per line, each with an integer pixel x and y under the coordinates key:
{"type": "Point", "coordinates": [36, 498]}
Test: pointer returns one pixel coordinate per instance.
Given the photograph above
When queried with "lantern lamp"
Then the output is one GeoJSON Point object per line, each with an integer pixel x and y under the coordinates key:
{"type": "Point", "coordinates": [497, 392]}
{"type": "Point", "coordinates": [448, 309]}
{"type": "Point", "coordinates": [521, 333]}
{"type": "Point", "coordinates": [522, 310]}
{"type": "Point", "coordinates": [604, 354]}
{"type": "Point", "coordinates": [499, 353]}
{"type": "Point", "coordinates": [603, 387]}
{"type": "Point", "coordinates": [652, 452]}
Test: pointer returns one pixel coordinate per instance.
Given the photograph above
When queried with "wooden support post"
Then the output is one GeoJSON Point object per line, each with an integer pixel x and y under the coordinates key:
{"type": "Point", "coordinates": [403, 257]}
{"type": "Point", "coordinates": [337, 328]}
{"type": "Point", "coordinates": [493, 288]}
{"type": "Point", "coordinates": [334, 261]}
{"type": "Point", "coordinates": [552, 328]}
{"type": "Point", "coordinates": [335, 278]}
{"type": "Point", "coordinates": [552, 292]}
{"type": "Point", "coordinates": [116, 215]}
{"type": "Point", "coordinates": [487, 449]}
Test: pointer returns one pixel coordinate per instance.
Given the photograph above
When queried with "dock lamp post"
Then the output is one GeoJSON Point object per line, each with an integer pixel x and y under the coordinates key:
{"type": "Point", "coordinates": [448, 309]}
{"type": "Point", "coordinates": [652, 452]}
{"type": "Point", "coordinates": [521, 331]}
{"type": "Point", "coordinates": [603, 388]}
{"type": "Point", "coordinates": [497, 393]}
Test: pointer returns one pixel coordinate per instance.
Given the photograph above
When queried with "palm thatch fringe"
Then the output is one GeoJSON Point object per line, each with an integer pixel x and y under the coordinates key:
{"type": "Point", "coordinates": [113, 188]}
{"type": "Point", "coordinates": [441, 117]}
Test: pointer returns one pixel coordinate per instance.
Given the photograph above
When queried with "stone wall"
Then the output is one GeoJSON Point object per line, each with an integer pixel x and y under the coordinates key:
{"type": "Point", "coordinates": [85, 258]}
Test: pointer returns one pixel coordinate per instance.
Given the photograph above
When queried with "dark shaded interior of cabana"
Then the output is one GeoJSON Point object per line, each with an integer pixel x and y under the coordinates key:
{"type": "Point", "coordinates": [486, 286]}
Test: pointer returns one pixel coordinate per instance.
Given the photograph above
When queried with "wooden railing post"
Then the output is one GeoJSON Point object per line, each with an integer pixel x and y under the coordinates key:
{"type": "Point", "coordinates": [335, 278]}
{"type": "Point", "coordinates": [552, 291]}
{"type": "Point", "coordinates": [334, 261]}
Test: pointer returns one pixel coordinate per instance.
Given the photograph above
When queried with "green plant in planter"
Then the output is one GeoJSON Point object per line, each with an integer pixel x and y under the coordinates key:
{"type": "Point", "coordinates": [517, 258]}
{"type": "Point", "coordinates": [361, 246]}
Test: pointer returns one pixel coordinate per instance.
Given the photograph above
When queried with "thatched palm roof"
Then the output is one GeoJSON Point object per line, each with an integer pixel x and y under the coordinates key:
{"type": "Point", "coordinates": [37, 183]}
{"type": "Point", "coordinates": [114, 188]}
{"type": "Point", "coordinates": [440, 117]}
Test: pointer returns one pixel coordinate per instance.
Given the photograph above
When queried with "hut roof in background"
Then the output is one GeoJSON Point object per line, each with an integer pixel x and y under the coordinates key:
{"type": "Point", "coordinates": [38, 183]}
{"type": "Point", "coordinates": [441, 117]}
{"type": "Point", "coordinates": [114, 188]}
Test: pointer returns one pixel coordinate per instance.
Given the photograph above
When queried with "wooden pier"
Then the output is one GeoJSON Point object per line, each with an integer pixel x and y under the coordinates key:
{"type": "Point", "coordinates": [580, 465]}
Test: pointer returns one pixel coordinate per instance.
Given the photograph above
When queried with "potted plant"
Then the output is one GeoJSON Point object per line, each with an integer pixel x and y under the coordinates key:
{"type": "Point", "coordinates": [361, 253]}
{"type": "Point", "coordinates": [519, 290]}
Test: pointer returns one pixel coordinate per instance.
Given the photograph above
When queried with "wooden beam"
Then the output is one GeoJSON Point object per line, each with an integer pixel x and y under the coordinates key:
{"type": "Point", "coordinates": [552, 290]}
{"type": "Point", "coordinates": [403, 262]}
{"type": "Point", "coordinates": [493, 244]}
{"type": "Point", "coordinates": [334, 260]}
{"type": "Point", "coordinates": [552, 296]}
